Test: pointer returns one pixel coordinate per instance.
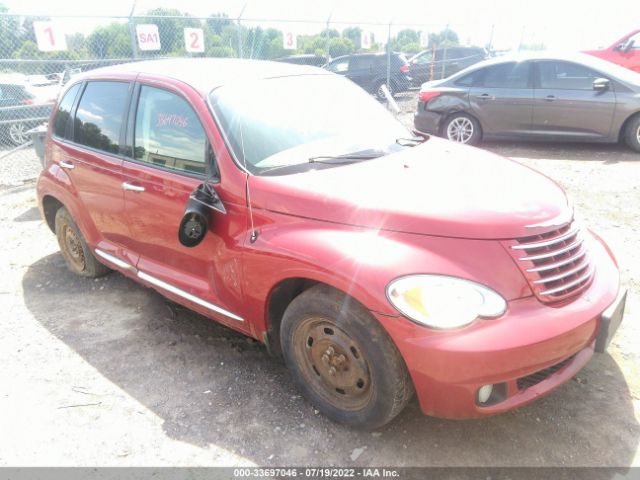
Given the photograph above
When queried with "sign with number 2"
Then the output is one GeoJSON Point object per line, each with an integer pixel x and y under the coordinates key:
{"type": "Point", "coordinates": [194, 40]}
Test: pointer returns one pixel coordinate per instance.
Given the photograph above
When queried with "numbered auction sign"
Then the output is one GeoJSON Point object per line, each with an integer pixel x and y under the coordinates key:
{"type": "Point", "coordinates": [289, 41]}
{"type": "Point", "coordinates": [148, 37]}
{"type": "Point", "coordinates": [194, 40]}
{"type": "Point", "coordinates": [424, 39]}
{"type": "Point", "coordinates": [49, 38]}
{"type": "Point", "coordinates": [365, 40]}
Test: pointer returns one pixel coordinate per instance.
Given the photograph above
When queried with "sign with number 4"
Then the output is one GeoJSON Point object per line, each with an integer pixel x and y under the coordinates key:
{"type": "Point", "coordinates": [148, 37]}
{"type": "Point", "coordinates": [424, 39]}
{"type": "Point", "coordinates": [289, 41]}
{"type": "Point", "coordinates": [49, 38]}
{"type": "Point", "coordinates": [365, 40]}
{"type": "Point", "coordinates": [194, 40]}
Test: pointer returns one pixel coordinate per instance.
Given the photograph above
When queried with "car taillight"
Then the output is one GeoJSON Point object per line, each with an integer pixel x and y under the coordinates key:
{"type": "Point", "coordinates": [427, 95]}
{"type": "Point", "coordinates": [26, 101]}
{"type": "Point", "coordinates": [404, 68]}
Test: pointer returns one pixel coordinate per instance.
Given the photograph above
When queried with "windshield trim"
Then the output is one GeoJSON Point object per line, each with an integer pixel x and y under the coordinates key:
{"type": "Point", "coordinates": [223, 133]}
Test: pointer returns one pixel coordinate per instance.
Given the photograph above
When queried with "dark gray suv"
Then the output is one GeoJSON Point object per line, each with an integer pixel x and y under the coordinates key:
{"type": "Point", "coordinates": [443, 62]}
{"type": "Point", "coordinates": [547, 97]}
{"type": "Point", "coordinates": [369, 70]}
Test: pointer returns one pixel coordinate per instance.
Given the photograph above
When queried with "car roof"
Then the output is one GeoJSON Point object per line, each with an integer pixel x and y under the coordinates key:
{"type": "Point", "coordinates": [620, 73]}
{"type": "Point", "coordinates": [205, 74]}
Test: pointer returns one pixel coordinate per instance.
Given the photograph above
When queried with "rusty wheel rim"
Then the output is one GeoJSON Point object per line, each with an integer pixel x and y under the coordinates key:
{"type": "Point", "coordinates": [73, 248]}
{"type": "Point", "coordinates": [332, 363]}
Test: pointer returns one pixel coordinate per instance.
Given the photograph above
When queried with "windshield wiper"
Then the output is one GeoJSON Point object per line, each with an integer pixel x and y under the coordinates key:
{"type": "Point", "coordinates": [411, 141]}
{"type": "Point", "coordinates": [346, 158]}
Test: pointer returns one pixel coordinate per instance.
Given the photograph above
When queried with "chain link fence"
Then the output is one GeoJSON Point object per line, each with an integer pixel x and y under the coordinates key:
{"type": "Point", "coordinates": [39, 55]}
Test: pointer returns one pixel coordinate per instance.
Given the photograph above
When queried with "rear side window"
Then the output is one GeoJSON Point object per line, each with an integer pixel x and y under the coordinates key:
{"type": "Point", "coordinates": [168, 133]}
{"type": "Point", "coordinates": [468, 80]}
{"type": "Point", "coordinates": [507, 75]}
{"type": "Point", "coordinates": [63, 114]}
{"type": "Point", "coordinates": [360, 63]}
{"type": "Point", "coordinates": [99, 116]}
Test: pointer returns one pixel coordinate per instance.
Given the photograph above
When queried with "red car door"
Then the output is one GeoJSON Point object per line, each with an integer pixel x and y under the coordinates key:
{"type": "Point", "coordinates": [88, 150]}
{"type": "Point", "coordinates": [171, 157]}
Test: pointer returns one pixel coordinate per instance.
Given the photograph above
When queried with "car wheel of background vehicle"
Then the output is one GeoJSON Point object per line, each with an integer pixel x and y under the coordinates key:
{"type": "Point", "coordinates": [380, 92]}
{"type": "Point", "coordinates": [75, 250]}
{"type": "Point", "coordinates": [18, 134]}
{"type": "Point", "coordinates": [343, 360]}
{"type": "Point", "coordinates": [462, 128]}
{"type": "Point", "coordinates": [632, 133]}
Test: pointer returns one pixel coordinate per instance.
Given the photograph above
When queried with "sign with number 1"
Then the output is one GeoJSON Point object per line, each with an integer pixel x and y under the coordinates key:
{"type": "Point", "coordinates": [49, 38]}
{"type": "Point", "coordinates": [365, 40]}
{"type": "Point", "coordinates": [194, 40]}
{"type": "Point", "coordinates": [289, 40]}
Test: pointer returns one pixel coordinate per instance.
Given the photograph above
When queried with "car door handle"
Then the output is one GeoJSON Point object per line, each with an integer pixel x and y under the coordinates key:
{"type": "Point", "coordinates": [67, 165]}
{"type": "Point", "coordinates": [549, 98]}
{"type": "Point", "coordinates": [132, 188]}
{"type": "Point", "coordinates": [485, 96]}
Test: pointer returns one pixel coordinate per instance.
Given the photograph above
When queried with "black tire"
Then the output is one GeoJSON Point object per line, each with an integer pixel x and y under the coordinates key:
{"type": "Point", "coordinates": [469, 131]}
{"type": "Point", "coordinates": [631, 133]}
{"type": "Point", "coordinates": [371, 385]}
{"type": "Point", "coordinates": [74, 248]}
{"type": "Point", "coordinates": [377, 91]}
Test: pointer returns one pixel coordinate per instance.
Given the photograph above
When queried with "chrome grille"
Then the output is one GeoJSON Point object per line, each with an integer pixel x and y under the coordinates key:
{"type": "Point", "coordinates": [556, 263]}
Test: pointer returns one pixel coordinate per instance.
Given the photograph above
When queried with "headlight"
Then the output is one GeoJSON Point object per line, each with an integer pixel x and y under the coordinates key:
{"type": "Point", "coordinates": [439, 301]}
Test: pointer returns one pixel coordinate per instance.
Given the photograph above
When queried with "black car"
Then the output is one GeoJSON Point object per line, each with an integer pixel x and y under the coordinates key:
{"type": "Point", "coordinates": [19, 112]}
{"type": "Point", "coordinates": [369, 70]}
{"type": "Point", "coordinates": [304, 59]}
{"type": "Point", "coordinates": [443, 62]}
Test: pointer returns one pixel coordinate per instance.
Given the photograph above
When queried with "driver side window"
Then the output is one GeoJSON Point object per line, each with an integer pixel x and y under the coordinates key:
{"type": "Point", "coordinates": [168, 133]}
{"type": "Point", "coordinates": [339, 66]}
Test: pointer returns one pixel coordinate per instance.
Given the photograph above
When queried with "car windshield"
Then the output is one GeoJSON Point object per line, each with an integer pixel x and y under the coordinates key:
{"type": "Point", "coordinates": [279, 122]}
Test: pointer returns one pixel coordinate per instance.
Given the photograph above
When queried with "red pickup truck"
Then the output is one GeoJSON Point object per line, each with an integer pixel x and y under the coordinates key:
{"type": "Point", "coordinates": [625, 52]}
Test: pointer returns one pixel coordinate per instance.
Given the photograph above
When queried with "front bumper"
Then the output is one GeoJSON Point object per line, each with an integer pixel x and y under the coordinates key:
{"type": "Point", "coordinates": [530, 340]}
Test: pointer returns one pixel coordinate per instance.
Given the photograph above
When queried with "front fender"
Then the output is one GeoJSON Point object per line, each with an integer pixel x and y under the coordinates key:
{"type": "Point", "coordinates": [361, 262]}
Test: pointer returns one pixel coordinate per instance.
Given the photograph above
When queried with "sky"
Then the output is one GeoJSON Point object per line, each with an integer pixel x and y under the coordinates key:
{"type": "Point", "coordinates": [558, 24]}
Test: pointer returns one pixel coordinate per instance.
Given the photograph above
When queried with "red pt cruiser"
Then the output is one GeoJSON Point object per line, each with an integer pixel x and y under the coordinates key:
{"type": "Point", "coordinates": [287, 204]}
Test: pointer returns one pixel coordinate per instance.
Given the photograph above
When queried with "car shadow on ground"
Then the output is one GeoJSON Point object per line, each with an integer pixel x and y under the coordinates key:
{"type": "Point", "coordinates": [609, 153]}
{"type": "Point", "coordinates": [210, 385]}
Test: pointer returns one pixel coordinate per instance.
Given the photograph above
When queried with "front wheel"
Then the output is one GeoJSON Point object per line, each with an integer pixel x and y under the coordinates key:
{"type": "Point", "coordinates": [379, 90]}
{"type": "Point", "coordinates": [343, 360]}
{"type": "Point", "coordinates": [632, 133]}
{"type": "Point", "coordinates": [462, 128]}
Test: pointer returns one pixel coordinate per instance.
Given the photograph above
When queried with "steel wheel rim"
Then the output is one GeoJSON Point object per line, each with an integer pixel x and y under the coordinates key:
{"type": "Point", "coordinates": [73, 248]}
{"type": "Point", "coordinates": [17, 132]}
{"type": "Point", "coordinates": [460, 130]}
{"type": "Point", "coordinates": [638, 135]}
{"type": "Point", "coordinates": [332, 363]}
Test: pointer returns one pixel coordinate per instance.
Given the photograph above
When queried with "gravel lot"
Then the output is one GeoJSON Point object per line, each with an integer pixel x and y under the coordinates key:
{"type": "Point", "coordinates": [107, 372]}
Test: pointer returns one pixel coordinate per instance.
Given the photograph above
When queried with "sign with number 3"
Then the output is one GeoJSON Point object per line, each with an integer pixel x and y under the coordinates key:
{"type": "Point", "coordinates": [49, 38]}
{"type": "Point", "coordinates": [289, 40]}
{"type": "Point", "coordinates": [194, 40]}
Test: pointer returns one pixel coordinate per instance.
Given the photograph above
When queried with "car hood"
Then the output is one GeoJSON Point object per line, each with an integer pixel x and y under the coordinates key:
{"type": "Point", "coordinates": [437, 188]}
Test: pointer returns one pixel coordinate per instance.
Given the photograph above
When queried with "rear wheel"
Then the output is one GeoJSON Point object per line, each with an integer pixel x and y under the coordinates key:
{"type": "Point", "coordinates": [462, 128]}
{"type": "Point", "coordinates": [343, 360]}
{"type": "Point", "coordinates": [74, 248]}
{"type": "Point", "coordinates": [18, 133]}
{"type": "Point", "coordinates": [632, 133]}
